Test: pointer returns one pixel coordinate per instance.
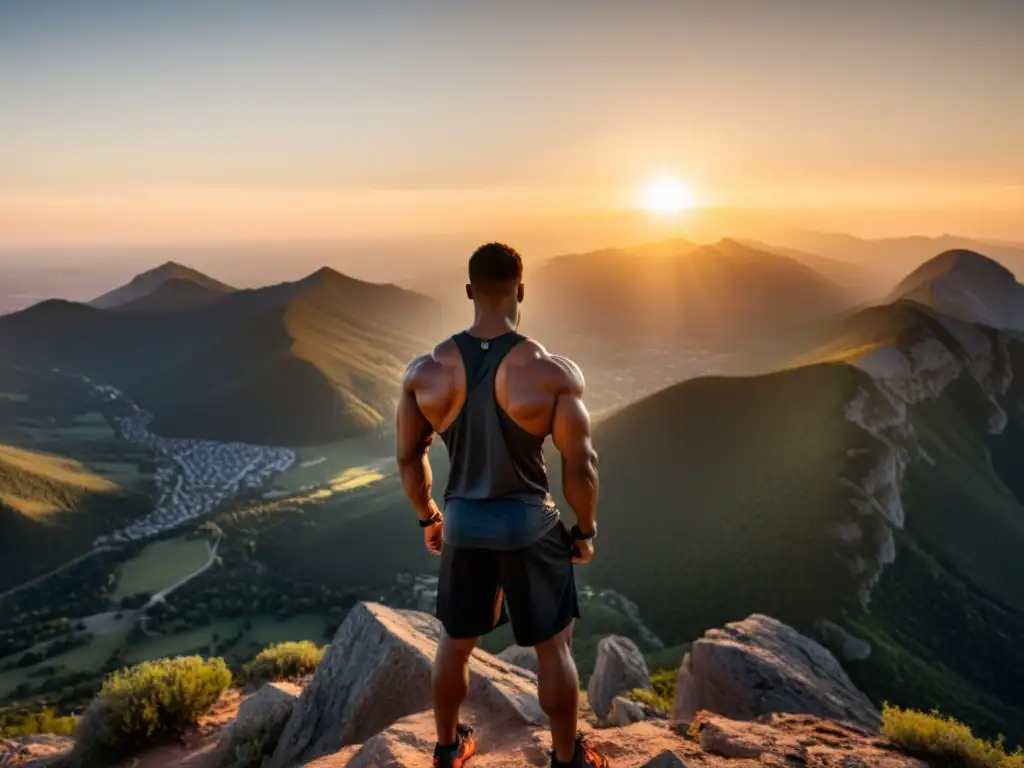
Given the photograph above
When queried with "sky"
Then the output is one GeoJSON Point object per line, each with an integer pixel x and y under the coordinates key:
{"type": "Point", "coordinates": [129, 121]}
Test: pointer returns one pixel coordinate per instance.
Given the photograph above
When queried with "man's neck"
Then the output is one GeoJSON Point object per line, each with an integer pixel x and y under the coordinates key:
{"type": "Point", "coordinates": [487, 325]}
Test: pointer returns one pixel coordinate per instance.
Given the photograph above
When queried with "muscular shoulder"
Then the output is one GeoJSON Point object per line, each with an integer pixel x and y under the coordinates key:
{"type": "Point", "coordinates": [425, 369]}
{"type": "Point", "coordinates": [558, 375]}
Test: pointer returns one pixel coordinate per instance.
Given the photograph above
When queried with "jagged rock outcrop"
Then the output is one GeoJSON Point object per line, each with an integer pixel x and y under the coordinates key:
{"type": "Point", "coordinates": [377, 671]}
{"type": "Point", "coordinates": [761, 666]}
{"type": "Point", "coordinates": [265, 712]}
{"type": "Point", "coordinates": [943, 350]}
{"type": "Point", "coordinates": [620, 668]}
{"type": "Point", "coordinates": [841, 642]}
{"type": "Point", "coordinates": [520, 657]}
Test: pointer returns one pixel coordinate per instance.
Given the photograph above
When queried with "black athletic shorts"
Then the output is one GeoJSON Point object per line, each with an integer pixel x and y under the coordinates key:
{"type": "Point", "coordinates": [536, 584]}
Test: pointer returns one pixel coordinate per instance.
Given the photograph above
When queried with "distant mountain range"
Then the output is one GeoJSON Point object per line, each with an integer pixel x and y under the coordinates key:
{"type": "Point", "coordinates": [720, 295]}
{"type": "Point", "coordinates": [310, 361]}
{"type": "Point", "coordinates": [875, 483]}
{"type": "Point", "coordinates": [896, 257]}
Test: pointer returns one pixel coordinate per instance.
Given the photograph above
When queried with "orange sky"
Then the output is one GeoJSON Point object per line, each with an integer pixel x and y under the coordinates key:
{"type": "Point", "coordinates": [130, 122]}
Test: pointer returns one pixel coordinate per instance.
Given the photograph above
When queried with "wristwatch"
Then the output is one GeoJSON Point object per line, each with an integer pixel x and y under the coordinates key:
{"type": "Point", "coordinates": [434, 518]}
{"type": "Point", "coordinates": [578, 535]}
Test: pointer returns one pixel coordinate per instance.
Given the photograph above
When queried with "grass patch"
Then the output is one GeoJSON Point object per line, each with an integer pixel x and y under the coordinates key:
{"type": "Point", "coordinates": [161, 565]}
{"type": "Point", "coordinates": [285, 661]}
{"type": "Point", "coordinates": [945, 742]}
{"type": "Point", "coordinates": [46, 721]}
{"type": "Point", "coordinates": [323, 464]}
{"type": "Point", "coordinates": [355, 477]}
{"type": "Point", "coordinates": [148, 703]}
{"type": "Point", "coordinates": [663, 697]}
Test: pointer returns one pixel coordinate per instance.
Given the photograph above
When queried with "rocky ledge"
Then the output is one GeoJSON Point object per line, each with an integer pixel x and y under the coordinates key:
{"type": "Point", "coordinates": [753, 694]}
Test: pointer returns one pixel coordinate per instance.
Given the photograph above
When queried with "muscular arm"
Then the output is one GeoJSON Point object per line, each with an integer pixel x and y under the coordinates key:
{"type": "Point", "coordinates": [571, 434]}
{"type": "Point", "coordinates": [415, 436]}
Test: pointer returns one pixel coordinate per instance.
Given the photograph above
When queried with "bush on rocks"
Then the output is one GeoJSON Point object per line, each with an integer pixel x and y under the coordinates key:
{"type": "Point", "coordinates": [148, 703]}
{"type": "Point", "coordinates": [944, 741]}
{"type": "Point", "coordinates": [284, 661]}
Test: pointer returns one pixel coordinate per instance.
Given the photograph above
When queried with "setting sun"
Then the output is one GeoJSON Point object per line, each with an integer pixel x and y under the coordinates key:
{"type": "Point", "coordinates": [666, 195]}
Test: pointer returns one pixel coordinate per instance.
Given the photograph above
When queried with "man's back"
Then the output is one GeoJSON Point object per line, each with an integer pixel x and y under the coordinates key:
{"type": "Point", "coordinates": [493, 403]}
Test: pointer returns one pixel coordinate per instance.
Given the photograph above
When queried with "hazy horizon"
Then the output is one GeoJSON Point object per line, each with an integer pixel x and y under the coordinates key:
{"type": "Point", "coordinates": [389, 124]}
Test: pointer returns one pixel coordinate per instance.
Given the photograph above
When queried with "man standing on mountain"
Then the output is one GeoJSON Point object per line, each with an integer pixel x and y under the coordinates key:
{"type": "Point", "coordinates": [494, 396]}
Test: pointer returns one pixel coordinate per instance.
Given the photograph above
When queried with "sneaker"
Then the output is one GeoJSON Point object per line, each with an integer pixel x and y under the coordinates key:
{"type": "Point", "coordinates": [585, 756]}
{"type": "Point", "coordinates": [457, 756]}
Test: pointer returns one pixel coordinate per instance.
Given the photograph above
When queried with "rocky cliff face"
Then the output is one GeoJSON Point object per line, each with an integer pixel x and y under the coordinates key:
{"type": "Point", "coordinates": [945, 351]}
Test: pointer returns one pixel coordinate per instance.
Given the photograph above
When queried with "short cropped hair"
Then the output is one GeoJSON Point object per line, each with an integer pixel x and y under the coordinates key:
{"type": "Point", "coordinates": [495, 263]}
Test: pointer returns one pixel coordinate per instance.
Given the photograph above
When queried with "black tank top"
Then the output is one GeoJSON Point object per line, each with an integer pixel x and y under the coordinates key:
{"type": "Point", "coordinates": [491, 456]}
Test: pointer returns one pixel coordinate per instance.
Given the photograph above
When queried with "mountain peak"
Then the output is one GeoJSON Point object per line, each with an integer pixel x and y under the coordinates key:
{"type": "Point", "coordinates": [969, 286]}
{"type": "Point", "coordinates": [151, 280]}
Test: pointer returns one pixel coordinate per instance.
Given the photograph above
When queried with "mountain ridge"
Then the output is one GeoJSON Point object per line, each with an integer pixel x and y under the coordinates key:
{"type": "Point", "coordinates": [327, 340]}
{"type": "Point", "coordinates": [151, 280]}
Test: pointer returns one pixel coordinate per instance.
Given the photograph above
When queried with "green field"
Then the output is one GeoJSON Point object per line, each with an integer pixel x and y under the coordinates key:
{"type": "Point", "coordinates": [161, 565]}
{"type": "Point", "coordinates": [90, 418]}
{"type": "Point", "coordinates": [89, 658]}
{"type": "Point", "coordinates": [318, 465]}
{"type": "Point", "coordinates": [81, 433]}
{"type": "Point", "coordinates": [268, 630]}
{"type": "Point", "coordinates": [182, 642]}
{"type": "Point", "coordinates": [123, 473]}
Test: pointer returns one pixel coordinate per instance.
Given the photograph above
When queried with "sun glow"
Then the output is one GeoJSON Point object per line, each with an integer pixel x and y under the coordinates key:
{"type": "Point", "coordinates": [666, 195]}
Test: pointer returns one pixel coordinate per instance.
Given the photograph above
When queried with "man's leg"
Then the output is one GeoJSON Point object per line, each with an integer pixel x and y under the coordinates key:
{"type": "Point", "coordinates": [451, 683]}
{"type": "Point", "coordinates": [469, 604]}
{"type": "Point", "coordinates": [558, 687]}
{"type": "Point", "coordinates": [540, 589]}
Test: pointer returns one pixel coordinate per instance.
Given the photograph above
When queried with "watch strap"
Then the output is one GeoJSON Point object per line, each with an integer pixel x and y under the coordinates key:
{"type": "Point", "coordinates": [578, 535]}
{"type": "Point", "coordinates": [433, 519]}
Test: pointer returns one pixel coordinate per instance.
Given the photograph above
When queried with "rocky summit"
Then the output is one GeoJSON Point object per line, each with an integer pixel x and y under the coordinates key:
{"type": "Point", "coordinates": [755, 693]}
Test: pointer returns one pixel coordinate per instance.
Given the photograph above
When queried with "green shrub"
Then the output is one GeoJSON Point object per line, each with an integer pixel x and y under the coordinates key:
{"type": "Point", "coordinates": [151, 702]}
{"type": "Point", "coordinates": [663, 697]}
{"type": "Point", "coordinates": [943, 741]}
{"type": "Point", "coordinates": [284, 661]}
{"type": "Point", "coordinates": [46, 721]}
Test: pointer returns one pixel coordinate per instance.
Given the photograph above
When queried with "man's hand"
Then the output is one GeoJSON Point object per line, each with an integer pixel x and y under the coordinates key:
{"type": "Point", "coordinates": [583, 551]}
{"type": "Point", "coordinates": [432, 537]}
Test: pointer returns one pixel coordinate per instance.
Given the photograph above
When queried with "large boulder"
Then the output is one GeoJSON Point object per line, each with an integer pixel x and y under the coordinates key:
{"type": "Point", "coordinates": [620, 668]}
{"type": "Point", "coordinates": [759, 666]}
{"type": "Point", "coordinates": [377, 671]}
{"type": "Point", "coordinates": [263, 714]}
{"type": "Point", "coordinates": [520, 657]}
